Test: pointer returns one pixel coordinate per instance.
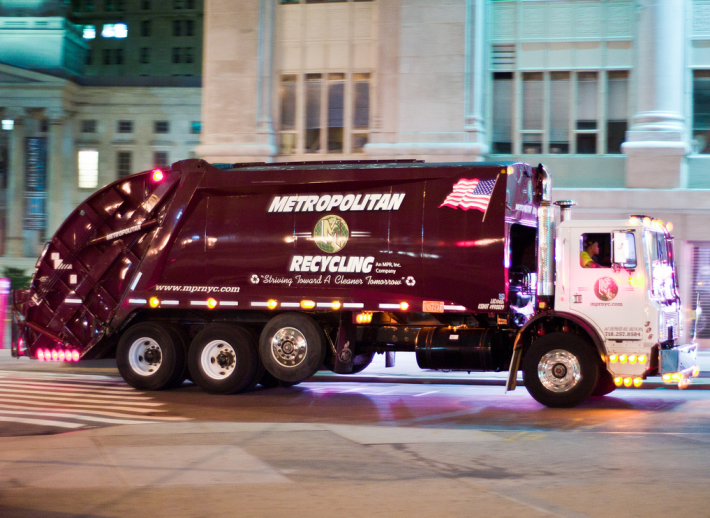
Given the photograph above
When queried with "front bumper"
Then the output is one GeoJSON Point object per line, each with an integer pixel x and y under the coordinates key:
{"type": "Point", "coordinates": [679, 364]}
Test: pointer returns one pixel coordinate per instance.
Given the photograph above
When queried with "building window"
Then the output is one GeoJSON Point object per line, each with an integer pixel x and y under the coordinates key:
{"type": "Point", "coordinates": [161, 127]}
{"type": "Point", "coordinates": [189, 54]}
{"type": "Point", "coordinates": [90, 57]}
{"type": "Point", "coordinates": [145, 28]}
{"type": "Point", "coordinates": [543, 122]}
{"type": "Point", "coordinates": [8, 124]}
{"type": "Point", "coordinates": [160, 159]}
{"type": "Point", "coordinates": [88, 5]}
{"type": "Point", "coordinates": [88, 126]}
{"type": "Point", "coordinates": [123, 163]}
{"type": "Point", "coordinates": [176, 54]}
{"type": "Point", "coordinates": [190, 4]}
{"type": "Point", "coordinates": [88, 169]}
{"type": "Point", "coordinates": [334, 118]}
{"type": "Point", "coordinates": [120, 5]}
{"type": "Point", "coordinates": [108, 5]}
{"type": "Point", "coordinates": [177, 4]}
{"type": "Point", "coordinates": [125, 126]}
{"type": "Point", "coordinates": [177, 27]}
{"type": "Point", "coordinates": [189, 27]}
{"type": "Point", "coordinates": [145, 55]}
{"type": "Point", "coordinates": [107, 56]}
{"type": "Point", "coordinates": [195, 127]}
{"type": "Point", "coordinates": [119, 56]}
{"type": "Point", "coordinates": [701, 111]}
{"type": "Point", "coordinates": [89, 32]}
{"type": "Point", "coordinates": [114, 30]}
{"type": "Point", "coordinates": [145, 5]}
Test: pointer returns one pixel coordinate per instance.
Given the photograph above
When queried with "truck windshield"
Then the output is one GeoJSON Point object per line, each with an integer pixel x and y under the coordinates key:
{"type": "Point", "coordinates": [659, 253]}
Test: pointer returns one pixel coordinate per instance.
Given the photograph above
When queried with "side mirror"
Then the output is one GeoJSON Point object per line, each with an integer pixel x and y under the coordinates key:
{"type": "Point", "coordinates": [624, 249]}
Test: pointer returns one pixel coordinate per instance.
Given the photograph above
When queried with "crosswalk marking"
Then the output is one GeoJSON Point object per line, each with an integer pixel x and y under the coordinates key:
{"type": "Point", "coordinates": [75, 401]}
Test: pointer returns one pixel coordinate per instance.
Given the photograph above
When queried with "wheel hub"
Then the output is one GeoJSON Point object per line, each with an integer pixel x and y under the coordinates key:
{"type": "Point", "coordinates": [145, 356]}
{"type": "Point", "coordinates": [218, 359]}
{"type": "Point", "coordinates": [289, 347]}
{"type": "Point", "coordinates": [559, 371]}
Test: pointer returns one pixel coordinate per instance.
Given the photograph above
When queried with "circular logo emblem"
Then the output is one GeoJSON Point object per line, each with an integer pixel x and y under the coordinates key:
{"type": "Point", "coordinates": [255, 279]}
{"type": "Point", "coordinates": [331, 234]}
{"type": "Point", "coordinates": [605, 288]}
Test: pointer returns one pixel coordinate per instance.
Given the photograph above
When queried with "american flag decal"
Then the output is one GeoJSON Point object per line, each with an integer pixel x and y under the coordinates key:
{"type": "Point", "coordinates": [470, 194]}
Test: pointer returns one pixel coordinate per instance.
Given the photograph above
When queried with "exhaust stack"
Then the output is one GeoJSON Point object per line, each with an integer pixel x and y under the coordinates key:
{"type": "Point", "coordinates": [565, 209]}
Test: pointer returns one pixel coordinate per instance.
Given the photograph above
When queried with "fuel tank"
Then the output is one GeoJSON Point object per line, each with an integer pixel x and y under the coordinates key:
{"type": "Point", "coordinates": [478, 348]}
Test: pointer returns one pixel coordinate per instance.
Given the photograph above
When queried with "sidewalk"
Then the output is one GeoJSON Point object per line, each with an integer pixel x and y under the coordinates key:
{"type": "Point", "coordinates": [405, 370]}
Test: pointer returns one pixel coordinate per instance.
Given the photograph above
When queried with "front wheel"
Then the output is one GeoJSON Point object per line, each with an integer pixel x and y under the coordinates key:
{"type": "Point", "coordinates": [560, 370]}
{"type": "Point", "coordinates": [150, 356]}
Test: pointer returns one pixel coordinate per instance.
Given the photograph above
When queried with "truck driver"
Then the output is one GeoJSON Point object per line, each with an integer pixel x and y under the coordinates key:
{"type": "Point", "coordinates": [591, 248]}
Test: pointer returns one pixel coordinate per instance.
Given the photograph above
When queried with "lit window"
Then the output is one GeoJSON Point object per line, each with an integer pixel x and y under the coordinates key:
{"type": "Point", "coordinates": [8, 124]}
{"type": "Point", "coordinates": [88, 169]}
{"type": "Point", "coordinates": [115, 30]}
{"type": "Point", "coordinates": [196, 127]}
{"type": "Point", "coordinates": [701, 111]}
{"type": "Point", "coordinates": [89, 32]}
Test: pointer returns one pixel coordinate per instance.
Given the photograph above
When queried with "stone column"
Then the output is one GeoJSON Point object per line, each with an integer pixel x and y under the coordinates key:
{"type": "Point", "coordinates": [657, 141]}
{"type": "Point", "coordinates": [476, 73]}
{"type": "Point", "coordinates": [55, 170]}
{"type": "Point", "coordinates": [16, 183]}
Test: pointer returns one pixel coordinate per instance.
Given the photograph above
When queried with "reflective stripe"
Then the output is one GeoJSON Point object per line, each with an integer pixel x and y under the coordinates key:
{"type": "Point", "coordinates": [72, 301]}
{"type": "Point", "coordinates": [455, 308]}
{"type": "Point", "coordinates": [135, 281]}
{"type": "Point", "coordinates": [137, 301]}
{"type": "Point", "coordinates": [353, 305]}
{"type": "Point", "coordinates": [229, 303]}
{"type": "Point", "coordinates": [170, 302]}
{"type": "Point", "coordinates": [325, 304]}
{"type": "Point", "coordinates": [198, 302]}
{"type": "Point", "coordinates": [290, 304]}
{"type": "Point", "coordinates": [260, 304]}
{"type": "Point", "coordinates": [389, 306]}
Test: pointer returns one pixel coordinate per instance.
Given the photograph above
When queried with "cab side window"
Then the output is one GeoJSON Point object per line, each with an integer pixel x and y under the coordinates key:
{"type": "Point", "coordinates": [595, 250]}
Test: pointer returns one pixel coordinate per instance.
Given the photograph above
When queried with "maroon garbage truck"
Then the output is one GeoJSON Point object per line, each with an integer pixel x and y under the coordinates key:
{"type": "Point", "coordinates": [234, 275]}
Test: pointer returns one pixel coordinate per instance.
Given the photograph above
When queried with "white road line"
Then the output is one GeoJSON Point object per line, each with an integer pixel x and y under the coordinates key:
{"type": "Point", "coordinates": [133, 400]}
{"type": "Point", "coordinates": [76, 416]}
{"type": "Point", "coordinates": [41, 422]}
{"type": "Point", "coordinates": [74, 378]}
{"type": "Point", "coordinates": [70, 406]}
{"type": "Point", "coordinates": [69, 387]}
{"type": "Point", "coordinates": [24, 395]}
{"type": "Point", "coordinates": [60, 408]}
{"type": "Point", "coordinates": [425, 393]}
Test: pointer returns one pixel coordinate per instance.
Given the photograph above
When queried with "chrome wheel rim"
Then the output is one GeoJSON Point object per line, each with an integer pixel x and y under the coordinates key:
{"type": "Point", "coordinates": [289, 347]}
{"type": "Point", "coordinates": [218, 360]}
{"type": "Point", "coordinates": [145, 356]}
{"type": "Point", "coordinates": [559, 371]}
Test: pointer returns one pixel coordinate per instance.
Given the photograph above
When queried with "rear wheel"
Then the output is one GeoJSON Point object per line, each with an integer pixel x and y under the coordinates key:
{"type": "Point", "coordinates": [223, 359]}
{"type": "Point", "coordinates": [150, 356]}
{"type": "Point", "coordinates": [560, 370]}
{"type": "Point", "coordinates": [292, 347]}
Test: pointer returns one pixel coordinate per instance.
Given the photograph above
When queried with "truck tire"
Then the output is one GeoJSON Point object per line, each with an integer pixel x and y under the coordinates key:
{"type": "Point", "coordinates": [150, 356]}
{"type": "Point", "coordinates": [605, 383]}
{"type": "Point", "coordinates": [223, 359]}
{"type": "Point", "coordinates": [560, 370]}
{"type": "Point", "coordinates": [292, 347]}
{"type": "Point", "coordinates": [268, 381]}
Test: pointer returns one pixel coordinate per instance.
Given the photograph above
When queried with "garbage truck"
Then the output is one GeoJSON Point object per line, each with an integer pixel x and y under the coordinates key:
{"type": "Point", "coordinates": [263, 273]}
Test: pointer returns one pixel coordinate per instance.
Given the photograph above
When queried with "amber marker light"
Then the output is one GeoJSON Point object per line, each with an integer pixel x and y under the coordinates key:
{"type": "Point", "coordinates": [154, 302]}
{"type": "Point", "coordinates": [633, 220]}
{"type": "Point", "coordinates": [638, 382]}
{"type": "Point", "coordinates": [632, 358]}
{"type": "Point", "coordinates": [643, 358]}
{"type": "Point", "coordinates": [613, 358]}
{"type": "Point", "coordinates": [336, 304]}
{"type": "Point", "coordinates": [622, 358]}
{"type": "Point", "coordinates": [211, 303]}
{"type": "Point", "coordinates": [306, 304]}
{"type": "Point", "coordinates": [669, 226]}
{"type": "Point", "coordinates": [158, 175]}
{"type": "Point", "coordinates": [667, 378]}
{"type": "Point", "coordinates": [696, 371]}
{"type": "Point", "coordinates": [404, 306]}
{"type": "Point", "coordinates": [363, 318]}
{"type": "Point", "coordinates": [272, 304]}
{"type": "Point", "coordinates": [618, 381]}
{"type": "Point", "coordinates": [627, 382]}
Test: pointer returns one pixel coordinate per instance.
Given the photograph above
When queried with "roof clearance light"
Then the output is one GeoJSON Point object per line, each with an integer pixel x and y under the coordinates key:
{"type": "Point", "coordinates": [158, 175]}
{"type": "Point", "coordinates": [404, 306]}
{"type": "Point", "coordinates": [363, 318]}
{"type": "Point", "coordinates": [633, 220]}
{"type": "Point", "coordinates": [613, 358]}
{"type": "Point", "coordinates": [336, 304]}
{"type": "Point", "coordinates": [272, 304]}
{"type": "Point", "coordinates": [212, 303]}
{"type": "Point", "coordinates": [308, 304]}
{"type": "Point", "coordinates": [75, 356]}
{"type": "Point", "coordinates": [154, 302]}
{"type": "Point", "coordinates": [647, 221]}
{"type": "Point", "coordinates": [669, 226]}
{"type": "Point", "coordinates": [637, 382]}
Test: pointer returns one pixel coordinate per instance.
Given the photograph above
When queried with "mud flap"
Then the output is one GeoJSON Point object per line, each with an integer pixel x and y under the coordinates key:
{"type": "Point", "coordinates": [345, 349]}
{"type": "Point", "coordinates": [512, 380]}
